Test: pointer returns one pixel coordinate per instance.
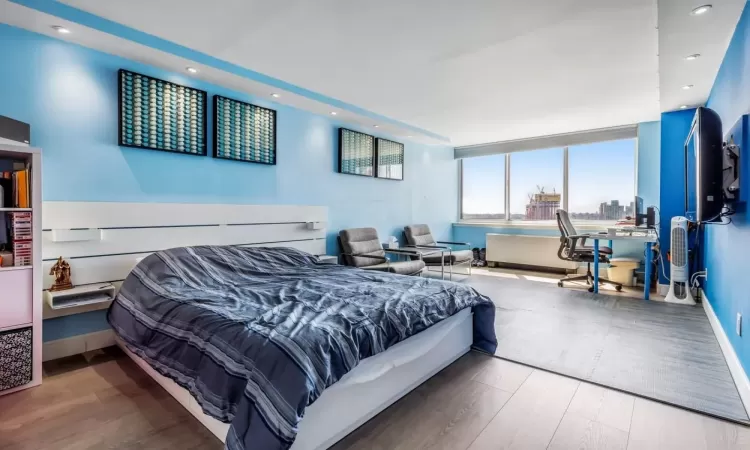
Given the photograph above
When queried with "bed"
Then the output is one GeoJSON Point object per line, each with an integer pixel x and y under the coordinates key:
{"type": "Point", "coordinates": [270, 349]}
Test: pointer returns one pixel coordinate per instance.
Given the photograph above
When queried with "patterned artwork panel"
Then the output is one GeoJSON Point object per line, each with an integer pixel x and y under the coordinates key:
{"type": "Point", "coordinates": [15, 358]}
{"type": "Point", "coordinates": [356, 153]}
{"type": "Point", "coordinates": [159, 115]}
{"type": "Point", "coordinates": [390, 159]}
{"type": "Point", "coordinates": [244, 132]}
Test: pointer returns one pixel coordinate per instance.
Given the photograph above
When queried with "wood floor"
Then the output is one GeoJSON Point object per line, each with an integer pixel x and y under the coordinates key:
{"type": "Point", "coordinates": [103, 400]}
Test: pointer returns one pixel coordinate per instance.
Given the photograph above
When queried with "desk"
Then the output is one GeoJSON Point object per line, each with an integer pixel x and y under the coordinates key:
{"type": "Point", "coordinates": [648, 240]}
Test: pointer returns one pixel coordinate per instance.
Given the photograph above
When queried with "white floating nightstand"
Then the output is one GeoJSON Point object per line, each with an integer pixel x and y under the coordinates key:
{"type": "Point", "coordinates": [81, 295]}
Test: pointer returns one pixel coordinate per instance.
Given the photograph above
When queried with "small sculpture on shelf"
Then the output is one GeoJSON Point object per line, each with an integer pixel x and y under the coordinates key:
{"type": "Point", "coordinates": [61, 271]}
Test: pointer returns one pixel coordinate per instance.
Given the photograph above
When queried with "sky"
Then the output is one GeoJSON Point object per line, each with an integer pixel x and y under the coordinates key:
{"type": "Point", "coordinates": [598, 173]}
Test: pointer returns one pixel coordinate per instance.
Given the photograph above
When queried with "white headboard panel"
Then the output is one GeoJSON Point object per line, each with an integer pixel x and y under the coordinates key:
{"type": "Point", "coordinates": [103, 241]}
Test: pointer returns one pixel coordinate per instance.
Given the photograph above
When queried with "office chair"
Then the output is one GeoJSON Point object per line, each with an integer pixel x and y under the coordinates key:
{"type": "Point", "coordinates": [573, 248]}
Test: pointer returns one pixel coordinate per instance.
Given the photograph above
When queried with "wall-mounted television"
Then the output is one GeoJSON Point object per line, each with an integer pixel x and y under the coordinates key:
{"type": "Point", "coordinates": [704, 168]}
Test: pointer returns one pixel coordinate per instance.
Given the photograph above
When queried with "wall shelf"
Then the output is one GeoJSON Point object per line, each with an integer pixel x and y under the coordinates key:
{"type": "Point", "coordinates": [16, 327]}
{"type": "Point", "coordinates": [50, 313]}
{"type": "Point", "coordinates": [10, 268]}
{"type": "Point", "coordinates": [21, 303]}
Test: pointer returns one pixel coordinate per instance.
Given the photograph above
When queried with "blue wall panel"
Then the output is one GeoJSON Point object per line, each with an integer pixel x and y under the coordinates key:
{"type": "Point", "coordinates": [727, 248]}
{"type": "Point", "coordinates": [675, 127]}
{"type": "Point", "coordinates": [649, 163]}
{"type": "Point", "coordinates": [69, 96]}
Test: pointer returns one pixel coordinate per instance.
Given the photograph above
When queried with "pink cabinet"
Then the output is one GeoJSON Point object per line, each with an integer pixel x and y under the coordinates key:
{"type": "Point", "coordinates": [16, 298]}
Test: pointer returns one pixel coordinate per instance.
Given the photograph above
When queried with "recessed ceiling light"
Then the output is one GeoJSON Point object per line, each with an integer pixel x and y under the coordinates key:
{"type": "Point", "coordinates": [376, 126]}
{"type": "Point", "coordinates": [275, 95]}
{"type": "Point", "coordinates": [687, 86]}
{"type": "Point", "coordinates": [61, 30]}
{"type": "Point", "coordinates": [191, 69]}
{"type": "Point", "coordinates": [333, 113]}
{"type": "Point", "coordinates": [701, 10]}
{"type": "Point", "coordinates": [693, 57]}
{"type": "Point", "coordinates": [683, 107]}
{"type": "Point", "coordinates": [409, 136]}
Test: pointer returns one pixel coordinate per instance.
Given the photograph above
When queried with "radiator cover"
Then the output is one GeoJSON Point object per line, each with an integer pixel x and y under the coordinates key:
{"type": "Point", "coordinates": [538, 251]}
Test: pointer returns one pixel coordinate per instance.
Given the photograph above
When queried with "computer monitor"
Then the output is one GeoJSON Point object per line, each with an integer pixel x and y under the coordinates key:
{"type": "Point", "coordinates": [638, 213]}
{"type": "Point", "coordinates": [641, 219]}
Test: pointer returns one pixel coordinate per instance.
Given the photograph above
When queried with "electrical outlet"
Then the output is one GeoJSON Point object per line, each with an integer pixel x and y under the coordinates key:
{"type": "Point", "coordinates": [739, 324]}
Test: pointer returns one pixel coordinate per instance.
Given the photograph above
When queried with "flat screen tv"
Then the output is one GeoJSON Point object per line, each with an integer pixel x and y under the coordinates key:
{"type": "Point", "coordinates": [703, 168]}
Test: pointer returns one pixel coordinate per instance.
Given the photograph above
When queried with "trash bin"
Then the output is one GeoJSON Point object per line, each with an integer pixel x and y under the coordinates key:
{"type": "Point", "coordinates": [621, 270]}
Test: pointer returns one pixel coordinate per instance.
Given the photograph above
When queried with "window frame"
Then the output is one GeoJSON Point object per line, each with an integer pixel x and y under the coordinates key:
{"type": "Point", "coordinates": [542, 224]}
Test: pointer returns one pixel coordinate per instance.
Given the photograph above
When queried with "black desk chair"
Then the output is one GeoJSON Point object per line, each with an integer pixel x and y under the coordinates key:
{"type": "Point", "coordinates": [573, 248]}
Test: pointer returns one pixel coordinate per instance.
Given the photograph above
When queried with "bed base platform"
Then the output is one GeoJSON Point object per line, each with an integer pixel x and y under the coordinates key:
{"type": "Point", "coordinates": [375, 384]}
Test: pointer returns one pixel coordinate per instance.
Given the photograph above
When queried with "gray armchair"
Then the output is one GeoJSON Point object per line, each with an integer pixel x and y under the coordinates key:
{"type": "Point", "coordinates": [420, 237]}
{"type": "Point", "coordinates": [361, 248]}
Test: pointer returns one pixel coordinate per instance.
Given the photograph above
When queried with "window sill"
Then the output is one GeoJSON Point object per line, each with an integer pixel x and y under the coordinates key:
{"type": "Point", "coordinates": [540, 225]}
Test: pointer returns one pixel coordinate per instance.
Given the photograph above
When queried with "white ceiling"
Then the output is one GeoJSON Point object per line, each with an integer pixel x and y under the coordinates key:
{"type": "Point", "coordinates": [682, 34]}
{"type": "Point", "coordinates": [475, 71]}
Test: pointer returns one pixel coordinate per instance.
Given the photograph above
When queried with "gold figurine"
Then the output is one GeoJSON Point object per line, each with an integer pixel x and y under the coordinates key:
{"type": "Point", "coordinates": [61, 271]}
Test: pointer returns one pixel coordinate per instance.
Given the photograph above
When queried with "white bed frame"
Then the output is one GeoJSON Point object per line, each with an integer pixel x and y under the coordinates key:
{"type": "Point", "coordinates": [103, 241]}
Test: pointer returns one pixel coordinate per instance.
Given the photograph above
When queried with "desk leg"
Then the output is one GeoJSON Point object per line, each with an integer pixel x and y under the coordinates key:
{"type": "Point", "coordinates": [596, 266]}
{"type": "Point", "coordinates": [647, 281]}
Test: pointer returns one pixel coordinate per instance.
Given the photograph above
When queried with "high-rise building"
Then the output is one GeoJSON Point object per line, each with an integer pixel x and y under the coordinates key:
{"type": "Point", "coordinates": [543, 206]}
{"type": "Point", "coordinates": [612, 210]}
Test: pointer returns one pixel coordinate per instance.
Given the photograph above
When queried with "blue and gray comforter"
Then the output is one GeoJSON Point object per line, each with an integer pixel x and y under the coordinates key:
{"type": "Point", "coordinates": [257, 334]}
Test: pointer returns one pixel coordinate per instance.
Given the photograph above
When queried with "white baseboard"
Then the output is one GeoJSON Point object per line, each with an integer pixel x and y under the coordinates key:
{"type": "Point", "coordinates": [77, 344]}
{"type": "Point", "coordinates": [735, 368]}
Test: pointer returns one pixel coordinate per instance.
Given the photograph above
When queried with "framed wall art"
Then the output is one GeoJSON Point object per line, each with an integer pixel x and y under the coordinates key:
{"type": "Point", "coordinates": [244, 132]}
{"type": "Point", "coordinates": [356, 153]}
{"type": "Point", "coordinates": [390, 157]}
{"type": "Point", "coordinates": [158, 115]}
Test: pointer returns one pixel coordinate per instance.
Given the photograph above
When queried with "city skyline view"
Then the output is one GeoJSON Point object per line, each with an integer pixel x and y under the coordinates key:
{"type": "Point", "coordinates": [599, 174]}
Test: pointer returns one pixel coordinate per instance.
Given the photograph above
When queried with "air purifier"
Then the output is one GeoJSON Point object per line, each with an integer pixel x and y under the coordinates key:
{"type": "Point", "coordinates": [679, 283]}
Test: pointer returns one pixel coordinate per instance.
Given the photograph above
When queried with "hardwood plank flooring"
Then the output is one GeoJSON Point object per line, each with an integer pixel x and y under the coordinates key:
{"type": "Point", "coordinates": [530, 418]}
{"type": "Point", "coordinates": [102, 400]}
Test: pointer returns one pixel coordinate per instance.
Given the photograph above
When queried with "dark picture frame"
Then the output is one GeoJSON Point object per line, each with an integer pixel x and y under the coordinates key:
{"type": "Point", "coordinates": [257, 144]}
{"type": "Point", "coordinates": [166, 126]}
{"type": "Point", "coordinates": [356, 153]}
{"type": "Point", "coordinates": [389, 159]}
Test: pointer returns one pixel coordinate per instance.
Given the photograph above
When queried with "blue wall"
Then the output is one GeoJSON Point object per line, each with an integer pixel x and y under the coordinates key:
{"type": "Point", "coordinates": [727, 248]}
{"type": "Point", "coordinates": [69, 96]}
{"type": "Point", "coordinates": [675, 127]}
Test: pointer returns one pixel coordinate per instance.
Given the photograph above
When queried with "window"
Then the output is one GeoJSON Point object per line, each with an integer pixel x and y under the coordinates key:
{"type": "Point", "coordinates": [536, 184]}
{"type": "Point", "coordinates": [601, 180]}
{"type": "Point", "coordinates": [483, 188]}
{"type": "Point", "coordinates": [600, 183]}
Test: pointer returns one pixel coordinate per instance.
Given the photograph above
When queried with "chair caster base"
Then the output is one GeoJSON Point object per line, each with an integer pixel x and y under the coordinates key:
{"type": "Point", "coordinates": [560, 284]}
{"type": "Point", "coordinates": [618, 288]}
{"type": "Point", "coordinates": [591, 289]}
